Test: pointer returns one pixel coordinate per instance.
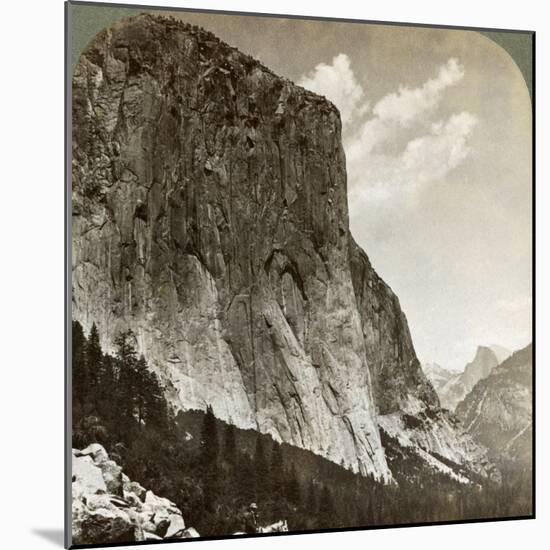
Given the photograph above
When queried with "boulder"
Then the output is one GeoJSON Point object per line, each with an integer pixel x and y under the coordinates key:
{"type": "Point", "coordinates": [190, 533]}
{"type": "Point", "coordinates": [87, 477]}
{"type": "Point", "coordinates": [177, 525]}
{"type": "Point", "coordinates": [134, 488]}
{"type": "Point", "coordinates": [150, 536]}
{"type": "Point", "coordinates": [112, 475]}
{"type": "Point", "coordinates": [96, 452]}
{"type": "Point", "coordinates": [102, 526]}
{"type": "Point", "coordinates": [108, 507]}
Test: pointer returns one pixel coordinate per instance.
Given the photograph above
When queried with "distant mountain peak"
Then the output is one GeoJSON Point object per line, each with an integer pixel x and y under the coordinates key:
{"type": "Point", "coordinates": [457, 387]}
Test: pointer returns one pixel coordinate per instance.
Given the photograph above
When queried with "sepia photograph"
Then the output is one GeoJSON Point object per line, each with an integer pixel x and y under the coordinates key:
{"type": "Point", "coordinates": [300, 274]}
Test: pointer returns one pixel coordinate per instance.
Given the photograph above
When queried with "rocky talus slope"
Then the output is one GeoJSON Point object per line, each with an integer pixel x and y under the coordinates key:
{"type": "Point", "coordinates": [498, 411]}
{"type": "Point", "coordinates": [107, 507]}
{"type": "Point", "coordinates": [210, 216]}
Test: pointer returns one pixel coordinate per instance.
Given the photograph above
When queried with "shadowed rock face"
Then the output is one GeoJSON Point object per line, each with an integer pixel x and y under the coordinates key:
{"type": "Point", "coordinates": [210, 216]}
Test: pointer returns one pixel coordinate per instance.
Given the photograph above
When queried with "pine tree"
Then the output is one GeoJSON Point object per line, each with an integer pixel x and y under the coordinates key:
{"type": "Point", "coordinates": [126, 386]}
{"type": "Point", "coordinates": [312, 498]}
{"type": "Point", "coordinates": [209, 451]}
{"type": "Point", "coordinates": [124, 343]}
{"type": "Point", "coordinates": [230, 445]}
{"type": "Point", "coordinates": [141, 383]}
{"type": "Point", "coordinates": [94, 359]}
{"type": "Point", "coordinates": [362, 513]}
{"type": "Point", "coordinates": [246, 478]}
{"type": "Point", "coordinates": [106, 390]}
{"type": "Point", "coordinates": [79, 368]}
{"type": "Point", "coordinates": [277, 472]}
{"type": "Point", "coordinates": [293, 487]}
{"type": "Point", "coordinates": [326, 509]}
{"type": "Point", "coordinates": [209, 438]}
{"type": "Point", "coordinates": [157, 411]}
{"type": "Point", "coordinates": [261, 470]}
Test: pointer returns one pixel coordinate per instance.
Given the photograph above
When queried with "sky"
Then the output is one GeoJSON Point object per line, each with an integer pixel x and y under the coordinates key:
{"type": "Point", "coordinates": [436, 127]}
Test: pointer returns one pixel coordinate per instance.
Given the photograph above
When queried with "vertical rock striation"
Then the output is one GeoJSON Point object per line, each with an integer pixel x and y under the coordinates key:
{"type": "Point", "coordinates": [210, 216]}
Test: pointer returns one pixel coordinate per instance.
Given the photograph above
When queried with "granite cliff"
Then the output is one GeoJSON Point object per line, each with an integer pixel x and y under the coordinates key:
{"type": "Point", "coordinates": [210, 216]}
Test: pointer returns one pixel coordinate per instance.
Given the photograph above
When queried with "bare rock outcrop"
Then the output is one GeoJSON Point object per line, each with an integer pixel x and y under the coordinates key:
{"type": "Point", "coordinates": [107, 507]}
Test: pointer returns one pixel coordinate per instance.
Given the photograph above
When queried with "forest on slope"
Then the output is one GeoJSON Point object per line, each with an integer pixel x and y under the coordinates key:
{"type": "Point", "coordinates": [213, 470]}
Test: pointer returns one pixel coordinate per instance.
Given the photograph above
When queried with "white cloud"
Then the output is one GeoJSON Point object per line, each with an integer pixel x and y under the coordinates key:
{"type": "Point", "coordinates": [370, 134]}
{"type": "Point", "coordinates": [397, 145]}
{"type": "Point", "coordinates": [401, 145]}
{"type": "Point", "coordinates": [406, 105]}
{"type": "Point", "coordinates": [337, 82]}
{"type": "Point", "coordinates": [424, 159]}
{"type": "Point", "coordinates": [433, 156]}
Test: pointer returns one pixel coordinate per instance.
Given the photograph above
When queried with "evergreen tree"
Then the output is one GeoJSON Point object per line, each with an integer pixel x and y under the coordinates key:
{"type": "Point", "coordinates": [326, 509]}
{"type": "Point", "coordinates": [230, 445]}
{"type": "Point", "coordinates": [362, 513]}
{"type": "Point", "coordinates": [209, 451]}
{"type": "Point", "coordinates": [124, 343]}
{"type": "Point", "coordinates": [293, 487]}
{"type": "Point", "coordinates": [141, 384]}
{"type": "Point", "coordinates": [79, 369]}
{"type": "Point", "coordinates": [312, 498]}
{"type": "Point", "coordinates": [246, 478]}
{"type": "Point", "coordinates": [277, 472]}
{"type": "Point", "coordinates": [106, 388]}
{"type": "Point", "coordinates": [209, 438]}
{"type": "Point", "coordinates": [94, 359]}
{"type": "Point", "coordinates": [157, 412]}
{"type": "Point", "coordinates": [261, 470]}
{"type": "Point", "coordinates": [126, 381]}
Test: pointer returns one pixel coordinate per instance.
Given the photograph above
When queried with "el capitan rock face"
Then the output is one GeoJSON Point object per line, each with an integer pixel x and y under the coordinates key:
{"type": "Point", "coordinates": [210, 216]}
